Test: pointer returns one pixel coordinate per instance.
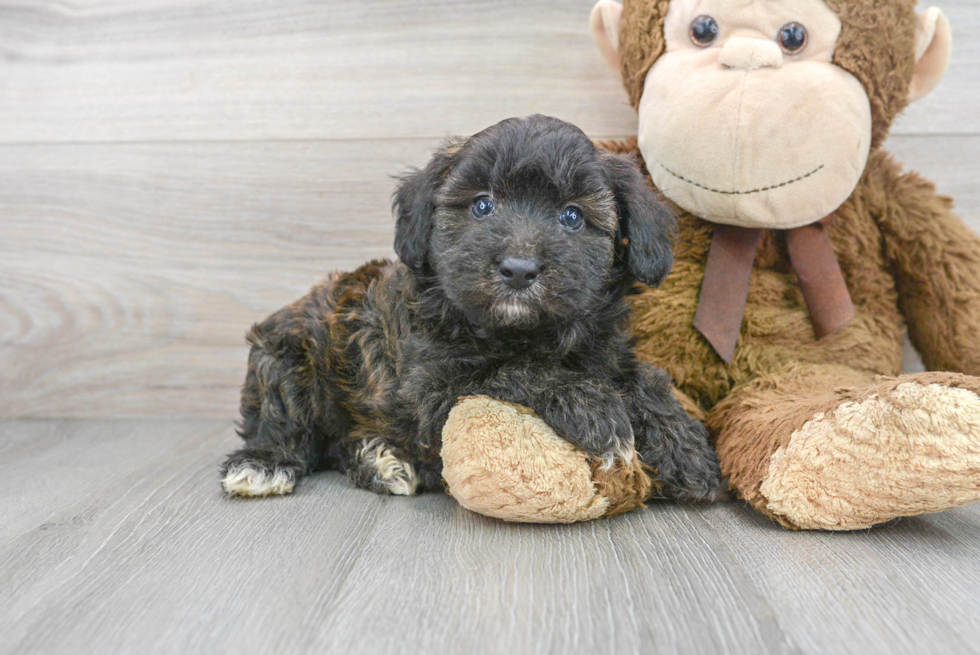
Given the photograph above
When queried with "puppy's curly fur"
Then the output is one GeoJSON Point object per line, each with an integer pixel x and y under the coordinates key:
{"type": "Point", "coordinates": [361, 373]}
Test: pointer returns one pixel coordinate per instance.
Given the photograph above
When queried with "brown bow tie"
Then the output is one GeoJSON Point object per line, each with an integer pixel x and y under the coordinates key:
{"type": "Point", "coordinates": [721, 306]}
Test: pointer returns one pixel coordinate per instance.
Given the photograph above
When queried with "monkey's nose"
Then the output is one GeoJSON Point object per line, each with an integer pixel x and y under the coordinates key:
{"type": "Point", "coordinates": [745, 54]}
{"type": "Point", "coordinates": [519, 273]}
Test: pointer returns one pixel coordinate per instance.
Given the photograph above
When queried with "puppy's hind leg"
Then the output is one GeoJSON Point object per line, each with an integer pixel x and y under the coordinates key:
{"type": "Point", "coordinates": [290, 422]}
{"type": "Point", "coordinates": [273, 460]}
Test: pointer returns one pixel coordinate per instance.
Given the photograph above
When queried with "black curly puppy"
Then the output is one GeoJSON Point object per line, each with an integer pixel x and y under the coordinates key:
{"type": "Point", "coordinates": [518, 245]}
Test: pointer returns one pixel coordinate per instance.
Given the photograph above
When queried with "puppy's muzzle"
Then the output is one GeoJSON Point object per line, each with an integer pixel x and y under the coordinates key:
{"type": "Point", "coordinates": [519, 273]}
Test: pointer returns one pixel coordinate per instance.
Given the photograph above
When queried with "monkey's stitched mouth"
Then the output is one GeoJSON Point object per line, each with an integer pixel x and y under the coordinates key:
{"type": "Point", "coordinates": [741, 193]}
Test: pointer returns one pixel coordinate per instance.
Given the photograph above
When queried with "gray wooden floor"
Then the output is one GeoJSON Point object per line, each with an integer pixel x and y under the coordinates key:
{"type": "Point", "coordinates": [172, 171]}
{"type": "Point", "coordinates": [115, 538]}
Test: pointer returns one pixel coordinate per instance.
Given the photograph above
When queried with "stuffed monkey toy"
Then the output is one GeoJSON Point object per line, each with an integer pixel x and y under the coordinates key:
{"type": "Point", "coordinates": [803, 249]}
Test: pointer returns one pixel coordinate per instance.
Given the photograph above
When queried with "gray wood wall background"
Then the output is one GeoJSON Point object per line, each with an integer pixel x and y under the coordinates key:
{"type": "Point", "coordinates": [173, 170]}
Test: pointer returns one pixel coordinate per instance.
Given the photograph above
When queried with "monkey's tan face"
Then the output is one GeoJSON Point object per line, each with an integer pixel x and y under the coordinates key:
{"type": "Point", "coordinates": [745, 121]}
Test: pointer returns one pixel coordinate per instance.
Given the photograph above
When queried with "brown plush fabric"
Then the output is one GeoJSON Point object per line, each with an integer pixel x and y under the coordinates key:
{"type": "Point", "coordinates": [765, 414]}
{"type": "Point", "coordinates": [625, 487]}
{"type": "Point", "coordinates": [935, 259]}
{"type": "Point", "coordinates": [905, 257]}
{"type": "Point", "coordinates": [787, 399]}
{"type": "Point", "coordinates": [762, 415]}
{"type": "Point", "coordinates": [899, 447]}
{"type": "Point", "coordinates": [887, 386]}
{"type": "Point", "coordinates": [876, 45]}
{"type": "Point", "coordinates": [641, 42]}
{"type": "Point", "coordinates": [777, 329]}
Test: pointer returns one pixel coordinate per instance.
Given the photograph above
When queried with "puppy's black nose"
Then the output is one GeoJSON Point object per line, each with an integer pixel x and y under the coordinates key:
{"type": "Point", "coordinates": [519, 273]}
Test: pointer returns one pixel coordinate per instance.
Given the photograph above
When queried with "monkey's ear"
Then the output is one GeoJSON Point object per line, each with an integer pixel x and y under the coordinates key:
{"type": "Point", "coordinates": [645, 224]}
{"type": "Point", "coordinates": [933, 48]}
{"type": "Point", "coordinates": [605, 21]}
{"type": "Point", "coordinates": [414, 203]}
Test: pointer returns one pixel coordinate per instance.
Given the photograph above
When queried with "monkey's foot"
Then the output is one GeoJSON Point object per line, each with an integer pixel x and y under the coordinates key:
{"type": "Point", "coordinates": [904, 446]}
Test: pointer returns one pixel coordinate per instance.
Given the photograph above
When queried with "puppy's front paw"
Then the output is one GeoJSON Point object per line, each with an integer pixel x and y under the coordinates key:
{"type": "Point", "coordinates": [251, 474]}
{"type": "Point", "coordinates": [683, 460]}
{"type": "Point", "coordinates": [375, 466]}
{"type": "Point", "coordinates": [599, 425]}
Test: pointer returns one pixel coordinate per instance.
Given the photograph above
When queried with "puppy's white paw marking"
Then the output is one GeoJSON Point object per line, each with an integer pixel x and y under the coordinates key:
{"type": "Point", "coordinates": [623, 453]}
{"type": "Point", "coordinates": [621, 456]}
{"type": "Point", "coordinates": [398, 477]}
{"type": "Point", "coordinates": [246, 481]}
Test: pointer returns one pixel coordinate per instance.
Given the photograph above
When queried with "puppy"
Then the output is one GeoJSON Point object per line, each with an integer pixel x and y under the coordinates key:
{"type": "Point", "coordinates": [517, 247]}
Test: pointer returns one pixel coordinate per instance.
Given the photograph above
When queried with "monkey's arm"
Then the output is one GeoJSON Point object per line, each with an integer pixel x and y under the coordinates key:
{"type": "Point", "coordinates": [935, 259]}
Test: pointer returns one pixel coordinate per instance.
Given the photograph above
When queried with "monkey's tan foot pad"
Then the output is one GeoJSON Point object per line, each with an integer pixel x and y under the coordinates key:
{"type": "Point", "coordinates": [905, 446]}
{"type": "Point", "coordinates": [501, 460]}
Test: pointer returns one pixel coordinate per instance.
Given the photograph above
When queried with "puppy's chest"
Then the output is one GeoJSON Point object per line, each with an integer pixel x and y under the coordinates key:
{"type": "Point", "coordinates": [386, 352]}
{"type": "Point", "coordinates": [471, 361]}
{"type": "Point", "coordinates": [468, 368]}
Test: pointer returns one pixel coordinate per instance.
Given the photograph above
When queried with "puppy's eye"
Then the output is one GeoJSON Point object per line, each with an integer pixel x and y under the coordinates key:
{"type": "Point", "coordinates": [792, 38]}
{"type": "Point", "coordinates": [571, 219]}
{"type": "Point", "coordinates": [483, 207]}
{"type": "Point", "coordinates": [704, 31]}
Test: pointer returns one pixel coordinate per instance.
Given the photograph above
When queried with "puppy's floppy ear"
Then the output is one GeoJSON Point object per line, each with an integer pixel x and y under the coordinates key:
{"type": "Point", "coordinates": [645, 224]}
{"type": "Point", "coordinates": [414, 204]}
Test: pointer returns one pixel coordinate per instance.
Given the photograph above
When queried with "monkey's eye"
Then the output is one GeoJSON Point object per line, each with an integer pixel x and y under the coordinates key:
{"type": "Point", "coordinates": [571, 218]}
{"type": "Point", "coordinates": [792, 38]}
{"type": "Point", "coordinates": [704, 31]}
{"type": "Point", "coordinates": [482, 207]}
